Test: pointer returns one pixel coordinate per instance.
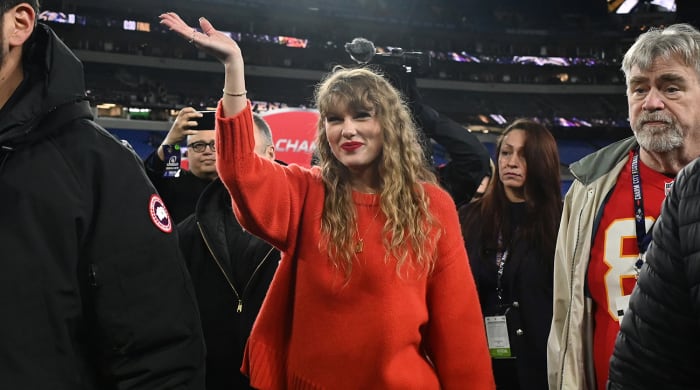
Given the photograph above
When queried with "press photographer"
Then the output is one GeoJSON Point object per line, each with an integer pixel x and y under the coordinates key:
{"type": "Point", "coordinates": [469, 160]}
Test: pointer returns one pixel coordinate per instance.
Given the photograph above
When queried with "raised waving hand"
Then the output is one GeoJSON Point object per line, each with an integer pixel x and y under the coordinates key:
{"type": "Point", "coordinates": [220, 46]}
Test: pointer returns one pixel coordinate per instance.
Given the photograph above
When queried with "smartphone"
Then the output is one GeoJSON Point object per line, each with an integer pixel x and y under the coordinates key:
{"type": "Point", "coordinates": [206, 122]}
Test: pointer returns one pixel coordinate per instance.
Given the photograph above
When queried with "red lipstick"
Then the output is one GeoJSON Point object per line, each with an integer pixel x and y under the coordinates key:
{"type": "Point", "coordinates": [351, 146]}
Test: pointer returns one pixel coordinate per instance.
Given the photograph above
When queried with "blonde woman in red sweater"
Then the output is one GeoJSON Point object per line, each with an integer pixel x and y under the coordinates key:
{"type": "Point", "coordinates": [374, 289]}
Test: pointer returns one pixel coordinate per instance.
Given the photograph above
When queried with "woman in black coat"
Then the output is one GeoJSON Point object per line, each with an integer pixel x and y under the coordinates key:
{"type": "Point", "coordinates": [510, 236]}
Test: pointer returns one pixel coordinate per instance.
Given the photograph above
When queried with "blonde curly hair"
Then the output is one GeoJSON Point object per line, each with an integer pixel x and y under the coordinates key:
{"type": "Point", "coordinates": [409, 226]}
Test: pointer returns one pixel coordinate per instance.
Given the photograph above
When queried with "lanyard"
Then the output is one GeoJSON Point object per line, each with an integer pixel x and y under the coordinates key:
{"type": "Point", "coordinates": [501, 257]}
{"type": "Point", "coordinates": [643, 239]}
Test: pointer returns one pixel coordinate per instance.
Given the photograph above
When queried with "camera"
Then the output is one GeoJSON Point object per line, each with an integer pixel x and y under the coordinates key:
{"type": "Point", "coordinates": [363, 51]}
{"type": "Point", "coordinates": [411, 61]}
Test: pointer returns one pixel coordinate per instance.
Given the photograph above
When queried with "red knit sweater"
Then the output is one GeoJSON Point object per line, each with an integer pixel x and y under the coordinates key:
{"type": "Point", "coordinates": [378, 331]}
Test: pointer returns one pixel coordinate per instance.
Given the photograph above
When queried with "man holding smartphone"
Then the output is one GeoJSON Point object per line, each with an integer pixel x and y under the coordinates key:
{"type": "Point", "coordinates": [180, 188]}
{"type": "Point", "coordinates": [231, 269]}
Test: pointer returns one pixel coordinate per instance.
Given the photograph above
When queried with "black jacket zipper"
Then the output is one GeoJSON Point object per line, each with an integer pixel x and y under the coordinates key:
{"type": "Point", "coordinates": [239, 297]}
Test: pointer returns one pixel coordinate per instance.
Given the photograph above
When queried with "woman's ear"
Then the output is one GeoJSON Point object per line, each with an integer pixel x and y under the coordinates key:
{"type": "Point", "coordinates": [19, 24]}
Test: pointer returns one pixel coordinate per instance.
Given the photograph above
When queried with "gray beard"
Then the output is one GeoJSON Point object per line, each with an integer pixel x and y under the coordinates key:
{"type": "Point", "coordinates": [658, 139]}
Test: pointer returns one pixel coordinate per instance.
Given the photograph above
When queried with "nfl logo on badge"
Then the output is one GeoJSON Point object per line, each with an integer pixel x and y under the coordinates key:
{"type": "Point", "coordinates": [159, 214]}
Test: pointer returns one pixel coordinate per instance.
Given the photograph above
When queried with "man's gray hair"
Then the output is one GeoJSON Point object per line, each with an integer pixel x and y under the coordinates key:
{"type": "Point", "coordinates": [680, 41]}
{"type": "Point", "coordinates": [264, 129]}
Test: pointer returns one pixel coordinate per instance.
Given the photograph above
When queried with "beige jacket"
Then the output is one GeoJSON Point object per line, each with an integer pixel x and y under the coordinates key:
{"type": "Point", "coordinates": [569, 348]}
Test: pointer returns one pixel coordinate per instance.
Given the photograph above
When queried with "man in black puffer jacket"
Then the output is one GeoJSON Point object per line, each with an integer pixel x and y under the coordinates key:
{"type": "Point", "coordinates": [659, 340]}
{"type": "Point", "coordinates": [231, 271]}
{"type": "Point", "coordinates": [93, 289]}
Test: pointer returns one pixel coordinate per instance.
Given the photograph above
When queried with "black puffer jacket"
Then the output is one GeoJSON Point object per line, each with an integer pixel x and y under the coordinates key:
{"type": "Point", "coordinates": [94, 295]}
{"type": "Point", "coordinates": [659, 340]}
{"type": "Point", "coordinates": [231, 271]}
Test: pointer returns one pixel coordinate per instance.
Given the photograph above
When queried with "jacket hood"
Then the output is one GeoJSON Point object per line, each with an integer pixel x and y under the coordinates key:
{"type": "Point", "coordinates": [53, 94]}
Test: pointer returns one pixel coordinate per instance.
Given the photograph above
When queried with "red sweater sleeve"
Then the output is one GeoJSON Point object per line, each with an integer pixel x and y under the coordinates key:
{"type": "Point", "coordinates": [456, 338]}
{"type": "Point", "coordinates": [266, 196]}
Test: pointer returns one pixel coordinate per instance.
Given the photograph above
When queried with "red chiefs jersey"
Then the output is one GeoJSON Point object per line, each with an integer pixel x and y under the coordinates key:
{"type": "Point", "coordinates": [611, 270]}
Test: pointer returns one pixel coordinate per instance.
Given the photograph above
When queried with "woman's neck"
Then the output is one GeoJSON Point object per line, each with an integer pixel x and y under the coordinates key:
{"type": "Point", "coordinates": [366, 185]}
{"type": "Point", "coordinates": [515, 195]}
{"type": "Point", "coordinates": [366, 190]}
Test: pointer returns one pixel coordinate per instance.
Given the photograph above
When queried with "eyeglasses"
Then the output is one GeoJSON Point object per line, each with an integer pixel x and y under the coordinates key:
{"type": "Point", "coordinates": [201, 146]}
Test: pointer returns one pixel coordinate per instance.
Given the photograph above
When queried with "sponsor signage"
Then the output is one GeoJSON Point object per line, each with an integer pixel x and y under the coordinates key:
{"type": "Point", "coordinates": [294, 131]}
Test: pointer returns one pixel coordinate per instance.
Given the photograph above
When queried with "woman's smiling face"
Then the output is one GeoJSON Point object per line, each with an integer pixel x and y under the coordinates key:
{"type": "Point", "coordinates": [355, 138]}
